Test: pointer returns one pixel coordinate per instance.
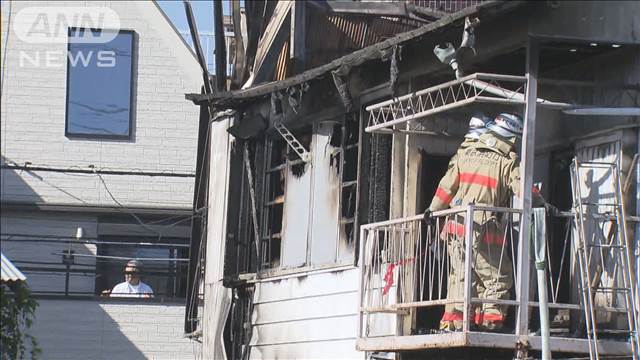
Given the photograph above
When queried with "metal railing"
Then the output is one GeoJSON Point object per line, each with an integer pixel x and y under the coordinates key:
{"type": "Point", "coordinates": [408, 266]}
{"type": "Point", "coordinates": [478, 87]}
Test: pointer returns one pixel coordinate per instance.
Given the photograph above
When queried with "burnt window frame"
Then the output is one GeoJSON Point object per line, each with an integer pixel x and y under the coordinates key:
{"type": "Point", "coordinates": [270, 201]}
{"type": "Point", "coordinates": [352, 144]}
{"type": "Point", "coordinates": [350, 183]}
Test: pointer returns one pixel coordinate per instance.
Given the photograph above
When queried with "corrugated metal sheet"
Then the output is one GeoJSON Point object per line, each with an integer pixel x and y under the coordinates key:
{"type": "Point", "coordinates": [330, 37]}
{"type": "Point", "coordinates": [10, 272]}
{"type": "Point", "coordinates": [336, 35]}
{"type": "Point", "coordinates": [282, 67]}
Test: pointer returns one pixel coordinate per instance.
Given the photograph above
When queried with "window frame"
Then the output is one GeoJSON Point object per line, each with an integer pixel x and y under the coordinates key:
{"type": "Point", "coordinates": [174, 273]}
{"type": "Point", "coordinates": [267, 170]}
{"type": "Point", "coordinates": [129, 136]}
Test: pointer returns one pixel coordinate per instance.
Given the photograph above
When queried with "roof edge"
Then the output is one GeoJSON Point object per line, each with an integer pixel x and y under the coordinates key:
{"type": "Point", "coordinates": [355, 58]}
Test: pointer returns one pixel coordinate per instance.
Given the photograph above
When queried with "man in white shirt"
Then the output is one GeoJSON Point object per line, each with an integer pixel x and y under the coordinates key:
{"type": "Point", "coordinates": [132, 286]}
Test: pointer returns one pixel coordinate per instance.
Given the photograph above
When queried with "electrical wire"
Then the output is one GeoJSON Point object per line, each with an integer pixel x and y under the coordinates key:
{"type": "Point", "coordinates": [106, 188]}
{"type": "Point", "coordinates": [78, 170]}
{"type": "Point", "coordinates": [87, 242]}
{"type": "Point", "coordinates": [126, 258]}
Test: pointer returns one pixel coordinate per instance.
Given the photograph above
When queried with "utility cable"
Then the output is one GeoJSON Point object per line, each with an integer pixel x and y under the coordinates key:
{"type": "Point", "coordinates": [126, 212]}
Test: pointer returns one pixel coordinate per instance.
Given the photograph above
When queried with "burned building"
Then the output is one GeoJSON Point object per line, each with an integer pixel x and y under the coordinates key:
{"type": "Point", "coordinates": [314, 172]}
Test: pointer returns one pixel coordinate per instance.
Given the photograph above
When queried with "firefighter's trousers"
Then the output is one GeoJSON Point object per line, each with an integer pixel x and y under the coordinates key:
{"type": "Point", "coordinates": [491, 271]}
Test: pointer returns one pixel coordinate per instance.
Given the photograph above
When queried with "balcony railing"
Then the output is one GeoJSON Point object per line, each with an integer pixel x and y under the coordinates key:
{"type": "Point", "coordinates": [408, 268]}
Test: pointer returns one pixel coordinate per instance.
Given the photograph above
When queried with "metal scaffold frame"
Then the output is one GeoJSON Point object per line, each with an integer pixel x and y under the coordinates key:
{"type": "Point", "coordinates": [475, 88]}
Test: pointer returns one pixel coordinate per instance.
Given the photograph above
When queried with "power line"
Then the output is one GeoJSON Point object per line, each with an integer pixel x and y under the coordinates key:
{"type": "Point", "coordinates": [126, 212]}
{"type": "Point", "coordinates": [126, 258]}
{"type": "Point", "coordinates": [101, 171]}
{"type": "Point", "coordinates": [11, 238]}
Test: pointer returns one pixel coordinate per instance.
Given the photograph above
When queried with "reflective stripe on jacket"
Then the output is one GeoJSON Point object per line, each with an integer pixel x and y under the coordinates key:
{"type": "Point", "coordinates": [483, 172]}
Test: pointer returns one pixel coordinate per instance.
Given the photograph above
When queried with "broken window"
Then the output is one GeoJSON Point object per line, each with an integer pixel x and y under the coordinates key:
{"type": "Point", "coordinates": [310, 209]}
{"type": "Point", "coordinates": [273, 203]}
{"type": "Point", "coordinates": [349, 185]}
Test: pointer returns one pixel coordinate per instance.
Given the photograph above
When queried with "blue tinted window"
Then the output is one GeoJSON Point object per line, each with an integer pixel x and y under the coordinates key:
{"type": "Point", "coordinates": [99, 83]}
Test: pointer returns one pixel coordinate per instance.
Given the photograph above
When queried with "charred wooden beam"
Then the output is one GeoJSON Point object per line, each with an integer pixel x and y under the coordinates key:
{"type": "Point", "coordinates": [355, 58]}
{"type": "Point", "coordinates": [425, 12]}
{"type": "Point", "coordinates": [268, 45]}
{"type": "Point", "coordinates": [195, 38]}
{"type": "Point", "coordinates": [239, 64]}
{"type": "Point", "coordinates": [379, 8]}
{"type": "Point", "coordinates": [297, 46]}
{"type": "Point", "coordinates": [343, 90]}
{"type": "Point", "coordinates": [221, 52]}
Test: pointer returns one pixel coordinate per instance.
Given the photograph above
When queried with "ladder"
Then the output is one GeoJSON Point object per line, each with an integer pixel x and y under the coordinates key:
{"type": "Point", "coordinates": [596, 252]}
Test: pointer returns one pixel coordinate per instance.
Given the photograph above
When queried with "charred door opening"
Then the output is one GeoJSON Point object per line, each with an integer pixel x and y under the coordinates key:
{"type": "Point", "coordinates": [433, 168]}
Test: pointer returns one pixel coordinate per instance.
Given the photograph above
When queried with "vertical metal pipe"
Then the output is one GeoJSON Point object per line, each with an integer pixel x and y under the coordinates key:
{"type": "Point", "coordinates": [361, 290]}
{"type": "Point", "coordinates": [528, 148]}
{"type": "Point", "coordinates": [66, 280]}
{"type": "Point", "coordinates": [468, 238]}
{"type": "Point", "coordinates": [541, 266]}
{"type": "Point", "coordinates": [221, 63]}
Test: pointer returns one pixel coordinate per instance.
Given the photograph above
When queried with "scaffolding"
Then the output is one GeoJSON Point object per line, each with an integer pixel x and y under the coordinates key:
{"type": "Point", "coordinates": [387, 246]}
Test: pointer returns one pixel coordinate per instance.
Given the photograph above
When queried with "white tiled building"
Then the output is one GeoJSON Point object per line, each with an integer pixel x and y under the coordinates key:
{"type": "Point", "coordinates": [109, 151]}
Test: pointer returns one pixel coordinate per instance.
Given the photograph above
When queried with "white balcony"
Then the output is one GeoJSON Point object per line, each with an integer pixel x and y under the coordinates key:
{"type": "Point", "coordinates": [405, 265]}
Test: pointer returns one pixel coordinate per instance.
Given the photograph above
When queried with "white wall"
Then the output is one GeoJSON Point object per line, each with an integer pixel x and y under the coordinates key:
{"type": "Point", "coordinates": [88, 329]}
{"type": "Point", "coordinates": [307, 316]}
{"type": "Point", "coordinates": [165, 124]}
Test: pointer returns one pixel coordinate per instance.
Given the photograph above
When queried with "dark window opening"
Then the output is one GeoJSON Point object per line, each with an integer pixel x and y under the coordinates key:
{"type": "Point", "coordinates": [275, 176]}
{"type": "Point", "coordinates": [349, 180]}
{"type": "Point", "coordinates": [433, 168]}
{"type": "Point", "coordinates": [281, 160]}
{"type": "Point", "coordinates": [100, 83]}
{"type": "Point", "coordinates": [240, 250]}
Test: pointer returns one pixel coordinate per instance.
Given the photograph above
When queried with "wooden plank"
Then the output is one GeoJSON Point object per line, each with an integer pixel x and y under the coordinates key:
{"type": "Point", "coordinates": [297, 48]}
{"type": "Point", "coordinates": [265, 45]}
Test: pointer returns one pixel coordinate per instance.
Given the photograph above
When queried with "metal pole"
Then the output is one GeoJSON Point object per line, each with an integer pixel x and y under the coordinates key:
{"type": "Point", "coordinates": [540, 242]}
{"type": "Point", "coordinates": [66, 280]}
{"type": "Point", "coordinates": [468, 256]}
{"type": "Point", "coordinates": [528, 148]}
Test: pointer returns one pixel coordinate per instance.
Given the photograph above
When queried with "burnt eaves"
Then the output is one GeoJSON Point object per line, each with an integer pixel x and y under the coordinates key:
{"type": "Point", "coordinates": [343, 64]}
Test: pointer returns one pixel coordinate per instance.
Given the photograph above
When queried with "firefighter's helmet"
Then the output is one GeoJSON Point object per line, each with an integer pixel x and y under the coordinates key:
{"type": "Point", "coordinates": [507, 125]}
{"type": "Point", "coordinates": [477, 126]}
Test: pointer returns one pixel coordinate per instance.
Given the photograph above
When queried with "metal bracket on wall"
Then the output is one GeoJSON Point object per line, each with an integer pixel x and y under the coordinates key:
{"type": "Point", "coordinates": [293, 142]}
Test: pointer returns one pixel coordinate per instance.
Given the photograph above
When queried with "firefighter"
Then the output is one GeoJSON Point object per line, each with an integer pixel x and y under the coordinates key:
{"type": "Point", "coordinates": [483, 172]}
